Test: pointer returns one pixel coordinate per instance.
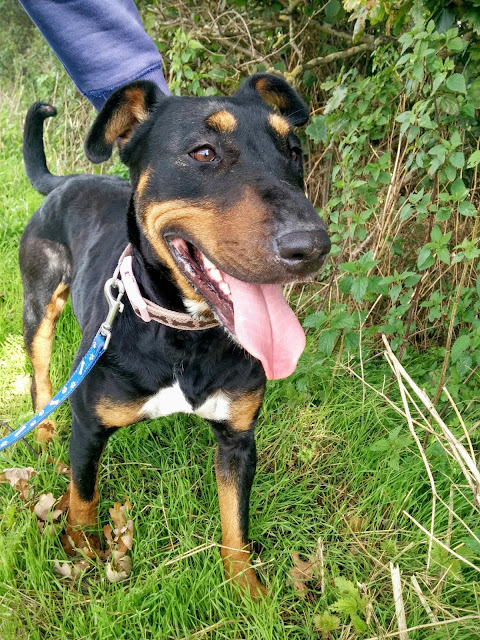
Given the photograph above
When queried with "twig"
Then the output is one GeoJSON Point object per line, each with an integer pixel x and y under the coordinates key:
{"type": "Point", "coordinates": [392, 362]}
{"type": "Point", "coordinates": [440, 623]}
{"type": "Point", "coordinates": [331, 57]}
{"type": "Point", "coordinates": [341, 35]}
{"type": "Point", "coordinates": [423, 600]}
{"type": "Point", "coordinates": [467, 465]}
{"type": "Point", "coordinates": [439, 542]}
{"type": "Point", "coordinates": [398, 599]}
{"type": "Point", "coordinates": [5, 424]}
{"type": "Point", "coordinates": [320, 550]}
{"type": "Point", "coordinates": [191, 552]}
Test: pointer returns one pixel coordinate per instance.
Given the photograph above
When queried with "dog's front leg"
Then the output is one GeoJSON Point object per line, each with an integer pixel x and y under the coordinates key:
{"type": "Point", "coordinates": [86, 446]}
{"type": "Point", "coordinates": [235, 462]}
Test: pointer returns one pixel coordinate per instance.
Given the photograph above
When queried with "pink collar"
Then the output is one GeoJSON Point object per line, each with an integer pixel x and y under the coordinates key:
{"type": "Point", "coordinates": [148, 310]}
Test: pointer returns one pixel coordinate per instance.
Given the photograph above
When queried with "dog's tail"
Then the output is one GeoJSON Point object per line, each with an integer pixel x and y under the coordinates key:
{"type": "Point", "coordinates": [33, 149]}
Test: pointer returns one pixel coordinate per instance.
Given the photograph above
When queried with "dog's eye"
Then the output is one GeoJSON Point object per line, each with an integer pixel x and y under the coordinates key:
{"type": "Point", "coordinates": [203, 154]}
{"type": "Point", "coordinates": [295, 153]}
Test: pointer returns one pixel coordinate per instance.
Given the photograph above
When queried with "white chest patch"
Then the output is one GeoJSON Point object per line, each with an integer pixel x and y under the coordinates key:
{"type": "Point", "coordinates": [171, 400]}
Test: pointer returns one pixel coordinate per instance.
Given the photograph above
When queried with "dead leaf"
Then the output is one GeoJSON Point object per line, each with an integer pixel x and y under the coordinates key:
{"type": "Point", "coordinates": [357, 523]}
{"type": "Point", "coordinates": [60, 466]}
{"type": "Point", "coordinates": [76, 540]}
{"type": "Point", "coordinates": [303, 572]}
{"type": "Point", "coordinates": [64, 501]}
{"type": "Point", "coordinates": [107, 532]}
{"type": "Point", "coordinates": [43, 506]}
{"type": "Point", "coordinates": [18, 479]}
{"type": "Point", "coordinates": [119, 570]}
{"type": "Point", "coordinates": [70, 569]}
{"type": "Point", "coordinates": [119, 516]}
{"type": "Point", "coordinates": [120, 540]}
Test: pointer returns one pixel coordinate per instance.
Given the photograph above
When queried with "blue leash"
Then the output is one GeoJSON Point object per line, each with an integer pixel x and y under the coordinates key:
{"type": "Point", "coordinates": [89, 360]}
{"type": "Point", "coordinates": [83, 369]}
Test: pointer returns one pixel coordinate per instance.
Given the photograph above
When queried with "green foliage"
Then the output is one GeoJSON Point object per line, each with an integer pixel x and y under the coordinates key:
{"type": "Point", "coordinates": [403, 137]}
{"type": "Point", "coordinates": [392, 446]}
{"type": "Point", "coordinates": [350, 604]}
{"type": "Point", "coordinates": [326, 622]}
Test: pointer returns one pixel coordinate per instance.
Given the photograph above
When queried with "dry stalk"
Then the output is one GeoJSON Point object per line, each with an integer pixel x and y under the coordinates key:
{"type": "Point", "coordinates": [462, 423]}
{"type": "Point", "coordinates": [191, 552]}
{"type": "Point", "coordinates": [423, 600]}
{"type": "Point", "coordinates": [465, 462]}
{"type": "Point", "coordinates": [440, 623]}
{"type": "Point", "coordinates": [321, 558]}
{"type": "Point", "coordinates": [398, 599]}
{"type": "Point", "coordinates": [442, 544]}
{"type": "Point", "coordinates": [393, 365]}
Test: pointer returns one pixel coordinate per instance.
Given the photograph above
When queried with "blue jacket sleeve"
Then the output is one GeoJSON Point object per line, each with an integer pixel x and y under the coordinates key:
{"type": "Point", "coordinates": [101, 43]}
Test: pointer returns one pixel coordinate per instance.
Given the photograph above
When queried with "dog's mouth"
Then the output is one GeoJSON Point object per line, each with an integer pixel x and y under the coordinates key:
{"type": "Point", "coordinates": [207, 280]}
{"type": "Point", "coordinates": [256, 314]}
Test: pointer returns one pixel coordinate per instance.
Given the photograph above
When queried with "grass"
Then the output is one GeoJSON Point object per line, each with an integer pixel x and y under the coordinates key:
{"type": "Point", "coordinates": [324, 472]}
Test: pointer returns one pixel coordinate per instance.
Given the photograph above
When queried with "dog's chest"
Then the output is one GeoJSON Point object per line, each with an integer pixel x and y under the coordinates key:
{"type": "Point", "coordinates": [172, 400]}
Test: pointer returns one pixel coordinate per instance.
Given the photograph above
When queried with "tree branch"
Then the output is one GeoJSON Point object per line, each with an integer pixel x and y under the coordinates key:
{"type": "Point", "coordinates": [331, 57]}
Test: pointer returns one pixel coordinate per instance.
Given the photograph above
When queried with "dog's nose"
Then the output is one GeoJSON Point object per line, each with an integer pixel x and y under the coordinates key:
{"type": "Point", "coordinates": [299, 247]}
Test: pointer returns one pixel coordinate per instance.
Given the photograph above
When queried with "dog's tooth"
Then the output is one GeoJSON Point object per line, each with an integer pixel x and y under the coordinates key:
{"type": "Point", "coordinates": [207, 263]}
{"type": "Point", "coordinates": [224, 288]}
{"type": "Point", "coordinates": [215, 275]}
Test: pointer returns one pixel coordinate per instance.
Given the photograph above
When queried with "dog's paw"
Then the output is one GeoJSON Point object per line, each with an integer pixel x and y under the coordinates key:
{"type": "Point", "coordinates": [46, 430]}
{"type": "Point", "coordinates": [76, 541]}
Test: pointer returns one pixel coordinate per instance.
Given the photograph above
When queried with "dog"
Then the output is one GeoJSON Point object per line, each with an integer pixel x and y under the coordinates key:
{"type": "Point", "coordinates": [216, 219]}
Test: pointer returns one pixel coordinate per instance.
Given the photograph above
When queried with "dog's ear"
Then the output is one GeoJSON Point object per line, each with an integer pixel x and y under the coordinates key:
{"type": "Point", "coordinates": [277, 93]}
{"type": "Point", "coordinates": [120, 116]}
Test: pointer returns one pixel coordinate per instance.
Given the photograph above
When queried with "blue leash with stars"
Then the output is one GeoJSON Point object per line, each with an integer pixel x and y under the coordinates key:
{"type": "Point", "coordinates": [99, 346]}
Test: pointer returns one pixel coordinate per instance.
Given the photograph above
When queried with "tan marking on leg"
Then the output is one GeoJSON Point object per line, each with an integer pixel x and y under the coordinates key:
{"type": "Point", "coordinates": [40, 354]}
{"type": "Point", "coordinates": [82, 513]}
{"type": "Point", "coordinates": [279, 124]}
{"type": "Point", "coordinates": [113, 414]}
{"type": "Point", "coordinates": [222, 121]}
{"type": "Point", "coordinates": [235, 551]}
{"type": "Point", "coordinates": [244, 408]}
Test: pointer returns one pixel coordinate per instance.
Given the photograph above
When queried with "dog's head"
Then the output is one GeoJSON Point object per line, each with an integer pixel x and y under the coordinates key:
{"type": "Point", "coordinates": [218, 191]}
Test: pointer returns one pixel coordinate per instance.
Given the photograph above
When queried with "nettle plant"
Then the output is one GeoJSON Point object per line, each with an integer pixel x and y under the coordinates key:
{"type": "Point", "coordinates": [404, 206]}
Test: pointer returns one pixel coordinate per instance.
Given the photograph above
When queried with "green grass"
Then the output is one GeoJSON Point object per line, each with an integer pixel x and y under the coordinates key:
{"type": "Point", "coordinates": [317, 477]}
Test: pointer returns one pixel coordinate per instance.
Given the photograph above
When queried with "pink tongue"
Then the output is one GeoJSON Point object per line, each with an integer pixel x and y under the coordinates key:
{"type": "Point", "coordinates": [266, 326]}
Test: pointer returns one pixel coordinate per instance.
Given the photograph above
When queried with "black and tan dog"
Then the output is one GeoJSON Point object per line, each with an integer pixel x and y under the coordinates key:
{"type": "Point", "coordinates": [217, 220]}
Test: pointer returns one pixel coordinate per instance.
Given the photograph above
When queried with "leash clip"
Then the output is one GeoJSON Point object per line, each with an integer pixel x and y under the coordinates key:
{"type": "Point", "coordinates": [114, 306]}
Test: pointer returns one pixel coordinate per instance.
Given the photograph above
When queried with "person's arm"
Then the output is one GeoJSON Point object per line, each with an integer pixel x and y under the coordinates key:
{"type": "Point", "coordinates": [101, 43]}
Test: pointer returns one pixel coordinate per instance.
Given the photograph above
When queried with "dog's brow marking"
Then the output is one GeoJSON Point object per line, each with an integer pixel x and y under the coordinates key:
{"type": "Point", "coordinates": [279, 124]}
{"type": "Point", "coordinates": [222, 121]}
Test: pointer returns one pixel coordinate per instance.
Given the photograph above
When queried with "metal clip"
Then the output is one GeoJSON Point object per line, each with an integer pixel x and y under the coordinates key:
{"type": "Point", "coordinates": [114, 306]}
